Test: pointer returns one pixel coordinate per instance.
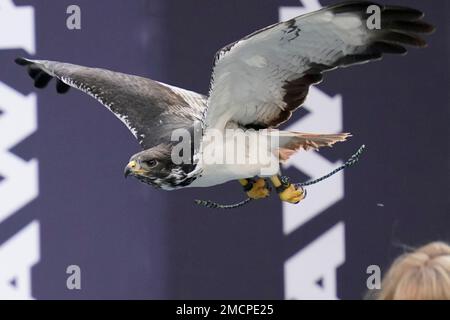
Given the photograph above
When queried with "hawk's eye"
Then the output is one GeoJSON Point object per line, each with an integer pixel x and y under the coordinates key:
{"type": "Point", "coordinates": [150, 163]}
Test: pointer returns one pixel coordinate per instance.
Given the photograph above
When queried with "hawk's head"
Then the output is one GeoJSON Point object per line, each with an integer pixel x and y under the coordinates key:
{"type": "Point", "coordinates": [154, 166]}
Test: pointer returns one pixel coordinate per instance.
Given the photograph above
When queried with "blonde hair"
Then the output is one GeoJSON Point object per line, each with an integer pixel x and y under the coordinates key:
{"type": "Point", "coordinates": [421, 275]}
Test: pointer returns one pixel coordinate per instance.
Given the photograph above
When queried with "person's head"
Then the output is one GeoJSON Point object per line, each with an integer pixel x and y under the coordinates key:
{"type": "Point", "coordinates": [421, 275]}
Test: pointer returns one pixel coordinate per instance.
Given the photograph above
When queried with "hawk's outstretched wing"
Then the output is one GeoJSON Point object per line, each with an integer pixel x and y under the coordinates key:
{"type": "Point", "coordinates": [261, 79]}
{"type": "Point", "coordinates": [151, 110]}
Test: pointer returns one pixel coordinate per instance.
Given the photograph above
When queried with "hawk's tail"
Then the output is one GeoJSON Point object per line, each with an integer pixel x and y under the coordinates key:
{"type": "Point", "coordinates": [291, 142]}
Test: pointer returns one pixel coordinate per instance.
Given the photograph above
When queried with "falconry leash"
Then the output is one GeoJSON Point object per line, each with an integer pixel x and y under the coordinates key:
{"type": "Point", "coordinates": [350, 162]}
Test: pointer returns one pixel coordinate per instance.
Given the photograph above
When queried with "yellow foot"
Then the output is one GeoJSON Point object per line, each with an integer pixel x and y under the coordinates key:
{"type": "Point", "coordinates": [287, 191]}
{"type": "Point", "coordinates": [257, 188]}
{"type": "Point", "coordinates": [292, 194]}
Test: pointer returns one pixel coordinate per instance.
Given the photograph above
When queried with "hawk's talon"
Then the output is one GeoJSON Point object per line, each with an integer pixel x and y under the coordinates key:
{"type": "Point", "coordinates": [247, 184]}
{"type": "Point", "coordinates": [259, 190]}
{"type": "Point", "coordinates": [292, 194]}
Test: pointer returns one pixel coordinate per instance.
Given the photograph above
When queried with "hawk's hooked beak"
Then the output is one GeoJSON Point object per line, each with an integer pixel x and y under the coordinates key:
{"type": "Point", "coordinates": [129, 169]}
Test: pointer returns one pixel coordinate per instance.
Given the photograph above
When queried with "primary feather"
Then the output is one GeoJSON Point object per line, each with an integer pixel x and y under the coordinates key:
{"type": "Point", "coordinates": [261, 79]}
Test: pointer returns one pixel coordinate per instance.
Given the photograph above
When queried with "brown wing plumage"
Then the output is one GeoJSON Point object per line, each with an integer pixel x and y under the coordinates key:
{"type": "Point", "coordinates": [260, 80]}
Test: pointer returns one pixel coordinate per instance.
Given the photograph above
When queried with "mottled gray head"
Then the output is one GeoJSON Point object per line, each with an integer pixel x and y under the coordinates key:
{"type": "Point", "coordinates": [151, 165]}
{"type": "Point", "coordinates": [154, 166]}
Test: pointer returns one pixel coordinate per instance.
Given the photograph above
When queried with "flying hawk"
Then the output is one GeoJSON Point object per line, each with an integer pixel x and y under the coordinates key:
{"type": "Point", "coordinates": [256, 85]}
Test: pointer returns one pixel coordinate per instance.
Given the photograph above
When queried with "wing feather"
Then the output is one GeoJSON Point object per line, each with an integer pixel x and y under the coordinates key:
{"type": "Point", "coordinates": [261, 79]}
{"type": "Point", "coordinates": [151, 110]}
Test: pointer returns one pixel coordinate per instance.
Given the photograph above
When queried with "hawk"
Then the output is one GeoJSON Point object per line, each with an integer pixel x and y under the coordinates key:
{"type": "Point", "coordinates": [256, 84]}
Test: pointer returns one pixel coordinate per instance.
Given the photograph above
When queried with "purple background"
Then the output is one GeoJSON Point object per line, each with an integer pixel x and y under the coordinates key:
{"type": "Point", "coordinates": [132, 241]}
